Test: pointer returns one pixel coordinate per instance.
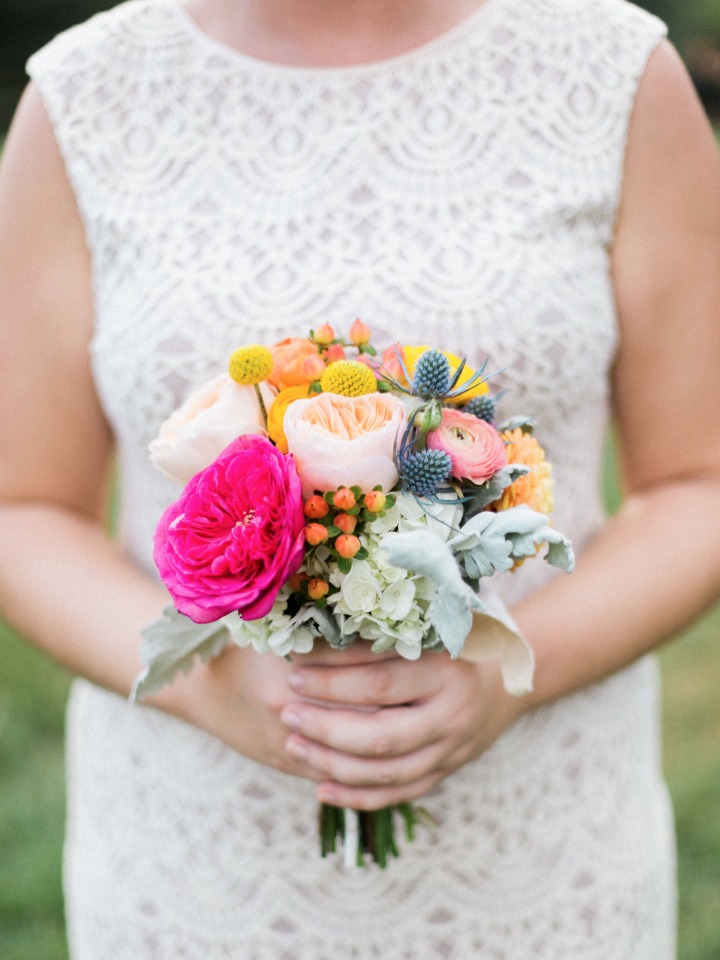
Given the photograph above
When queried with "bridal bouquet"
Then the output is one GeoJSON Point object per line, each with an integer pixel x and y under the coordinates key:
{"type": "Point", "coordinates": [340, 497]}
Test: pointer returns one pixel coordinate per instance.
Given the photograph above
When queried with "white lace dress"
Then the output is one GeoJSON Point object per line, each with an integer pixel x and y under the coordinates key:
{"type": "Point", "coordinates": [463, 194]}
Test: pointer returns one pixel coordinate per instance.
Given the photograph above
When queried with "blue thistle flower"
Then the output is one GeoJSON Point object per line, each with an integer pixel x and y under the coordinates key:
{"type": "Point", "coordinates": [432, 375]}
{"type": "Point", "coordinates": [481, 407]}
{"type": "Point", "coordinates": [422, 473]}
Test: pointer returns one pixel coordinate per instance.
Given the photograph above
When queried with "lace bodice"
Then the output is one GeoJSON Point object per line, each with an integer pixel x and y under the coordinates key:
{"type": "Point", "coordinates": [465, 195]}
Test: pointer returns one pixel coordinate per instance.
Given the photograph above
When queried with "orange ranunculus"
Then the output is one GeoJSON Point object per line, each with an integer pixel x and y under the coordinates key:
{"type": "Point", "coordinates": [276, 413]}
{"type": "Point", "coordinates": [535, 489]}
{"type": "Point", "coordinates": [289, 355]}
{"type": "Point", "coordinates": [410, 356]}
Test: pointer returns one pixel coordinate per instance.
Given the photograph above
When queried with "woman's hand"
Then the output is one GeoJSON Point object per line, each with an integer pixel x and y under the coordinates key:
{"type": "Point", "coordinates": [239, 697]}
{"type": "Point", "coordinates": [385, 729]}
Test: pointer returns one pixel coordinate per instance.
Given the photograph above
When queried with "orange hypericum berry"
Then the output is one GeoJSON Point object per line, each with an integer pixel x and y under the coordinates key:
{"type": "Point", "coordinates": [347, 545]}
{"type": "Point", "coordinates": [313, 367]}
{"type": "Point", "coordinates": [324, 334]}
{"type": "Point", "coordinates": [359, 333]}
{"type": "Point", "coordinates": [315, 508]}
{"type": "Point", "coordinates": [315, 533]}
{"type": "Point", "coordinates": [335, 352]}
{"type": "Point", "coordinates": [297, 580]}
{"type": "Point", "coordinates": [375, 501]}
{"type": "Point", "coordinates": [345, 522]}
{"type": "Point", "coordinates": [317, 588]}
{"type": "Point", "coordinates": [344, 499]}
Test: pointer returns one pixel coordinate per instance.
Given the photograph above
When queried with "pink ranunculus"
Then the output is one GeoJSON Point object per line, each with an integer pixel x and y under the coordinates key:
{"type": "Point", "coordinates": [345, 441]}
{"type": "Point", "coordinates": [236, 534]}
{"type": "Point", "coordinates": [475, 447]}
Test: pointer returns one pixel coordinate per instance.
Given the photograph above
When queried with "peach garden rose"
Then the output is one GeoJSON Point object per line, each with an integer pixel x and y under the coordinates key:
{"type": "Point", "coordinates": [211, 417]}
{"type": "Point", "coordinates": [345, 441]}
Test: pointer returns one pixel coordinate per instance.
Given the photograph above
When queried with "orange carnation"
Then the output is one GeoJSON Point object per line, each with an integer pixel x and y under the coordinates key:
{"type": "Point", "coordinates": [535, 489]}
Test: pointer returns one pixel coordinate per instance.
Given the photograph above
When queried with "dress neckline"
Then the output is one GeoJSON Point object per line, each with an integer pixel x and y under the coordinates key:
{"type": "Point", "coordinates": [412, 56]}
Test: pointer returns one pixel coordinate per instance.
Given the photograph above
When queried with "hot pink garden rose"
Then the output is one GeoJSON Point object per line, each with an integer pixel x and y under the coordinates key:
{"type": "Point", "coordinates": [475, 447]}
{"type": "Point", "coordinates": [236, 534]}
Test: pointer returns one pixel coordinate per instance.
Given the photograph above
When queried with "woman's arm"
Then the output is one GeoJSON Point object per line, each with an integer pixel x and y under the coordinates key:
{"type": "Point", "coordinates": [63, 583]}
{"type": "Point", "coordinates": [657, 563]}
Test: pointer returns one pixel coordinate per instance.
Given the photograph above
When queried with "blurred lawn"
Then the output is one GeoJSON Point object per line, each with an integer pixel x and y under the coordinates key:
{"type": "Point", "coordinates": [32, 696]}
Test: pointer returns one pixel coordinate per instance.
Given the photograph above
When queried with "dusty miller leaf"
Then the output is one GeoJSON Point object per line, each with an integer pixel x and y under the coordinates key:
{"type": "Point", "coordinates": [526, 424]}
{"type": "Point", "coordinates": [493, 489]}
{"type": "Point", "coordinates": [492, 542]}
{"type": "Point", "coordinates": [170, 645]}
{"type": "Point", "coordinates": [423, 552]}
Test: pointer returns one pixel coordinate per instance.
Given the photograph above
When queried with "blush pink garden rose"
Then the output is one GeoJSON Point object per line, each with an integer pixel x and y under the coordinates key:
{"type": "Point", "coordinates": [476, 449]}
{"type": "Point", "coordinates": [211, 417]}
{"type": "Point", "coordinates": [345, 441]}
{"type": "Point", "coordinates": [236, 534]}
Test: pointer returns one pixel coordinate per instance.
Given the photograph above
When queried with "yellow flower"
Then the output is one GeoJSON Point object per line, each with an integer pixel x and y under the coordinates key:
{"type": "Point", "coordinates": [276, 413]}
{"type": "Point", "coordinates": [535, 489]}
{"type": "Point", "coordinates": [348, 378]}
{"type": "Point", "coordinates": [250, 365]}
{"type": "Point", "coordinates": [410, 356]}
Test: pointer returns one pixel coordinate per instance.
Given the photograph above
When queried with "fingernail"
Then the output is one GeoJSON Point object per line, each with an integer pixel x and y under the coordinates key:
{"type": "Point", "coordinates": [327, 795]}
{"type": "Point", "coordinates": [296, 681]}
{"type": "Point", "coordinates": [296, 749]}
{"type": "Point", "coordinates": [290, 719]}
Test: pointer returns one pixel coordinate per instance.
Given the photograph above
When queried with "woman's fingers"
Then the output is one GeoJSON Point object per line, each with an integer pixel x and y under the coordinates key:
{"type": "Point", "coordinates": [323, 654]}
{"type": "Point", "coordinates": [352, 770]}
{"type": "Point", "coordinates": [391, 732]}
{"type": "Point", "coordinates": [441, 714]}
{"type": "Point", "coordinates": [380, 682]}
{"type": "Point", "coordinates": [375, 798]}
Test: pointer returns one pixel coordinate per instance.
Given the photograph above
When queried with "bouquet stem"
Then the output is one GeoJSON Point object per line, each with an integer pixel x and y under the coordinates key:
{"type": "Point", "coordinates": [367, 832]}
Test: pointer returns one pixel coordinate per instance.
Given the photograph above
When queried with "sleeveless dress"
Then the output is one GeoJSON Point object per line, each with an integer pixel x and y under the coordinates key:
{"type": "Point", "coordinates": [465, 195]}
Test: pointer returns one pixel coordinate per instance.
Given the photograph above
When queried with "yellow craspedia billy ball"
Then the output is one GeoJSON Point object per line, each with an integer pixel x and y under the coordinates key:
{"type": "Point", "coordinates": [250, 365]}
{"type": "Point", "coordinates": [348, 378]}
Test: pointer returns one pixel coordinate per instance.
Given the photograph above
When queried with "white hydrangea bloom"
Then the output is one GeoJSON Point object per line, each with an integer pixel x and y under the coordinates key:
{"type": "Point", "coordinates": [277, 632]}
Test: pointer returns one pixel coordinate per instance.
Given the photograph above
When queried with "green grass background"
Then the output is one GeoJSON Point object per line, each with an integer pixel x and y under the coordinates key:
{"type": "Point", "coordinates": [32, 698]}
